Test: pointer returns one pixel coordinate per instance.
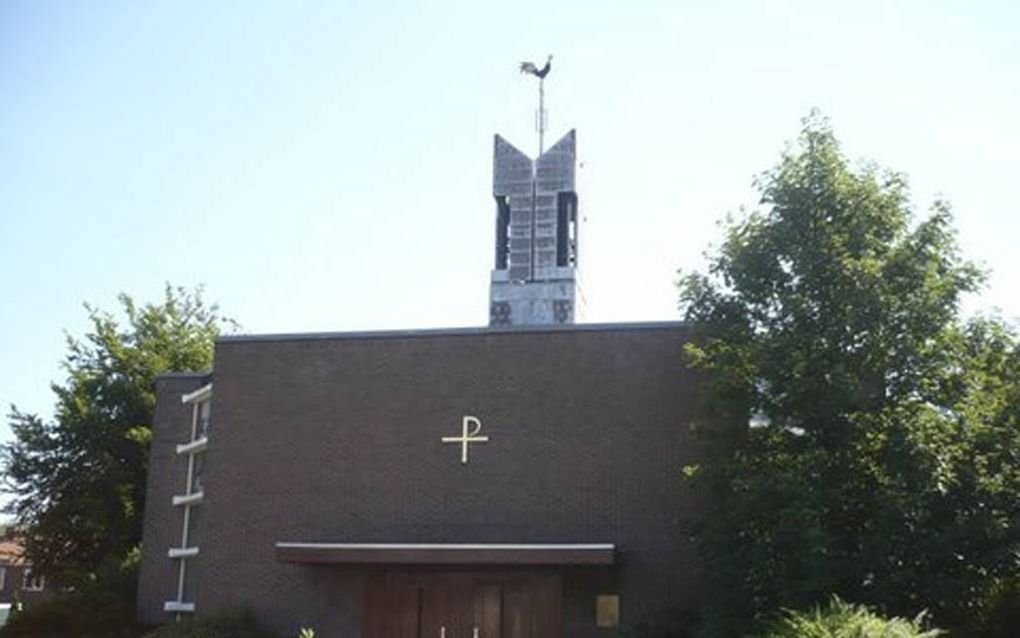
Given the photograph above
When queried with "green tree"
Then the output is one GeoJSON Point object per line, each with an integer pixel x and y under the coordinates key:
{"type": "Point", "coordinates": [859, 438]}
{"type": "Point", "coordinates": [79, 481]}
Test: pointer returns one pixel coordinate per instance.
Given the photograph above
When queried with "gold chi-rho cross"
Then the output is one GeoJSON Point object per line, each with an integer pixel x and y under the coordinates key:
{"type": "Point", "coordinates": [470, 427]}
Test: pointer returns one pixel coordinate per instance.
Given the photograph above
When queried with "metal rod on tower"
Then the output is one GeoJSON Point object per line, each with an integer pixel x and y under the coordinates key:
{"type": "Point", "coordinates": [541, 116]}
{"type": "Point", "coordinates": [540, 119]}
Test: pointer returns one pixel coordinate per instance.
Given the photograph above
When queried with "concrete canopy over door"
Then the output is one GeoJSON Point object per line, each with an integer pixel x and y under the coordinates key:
{"type": "Point", "coordinates": [460, 554]}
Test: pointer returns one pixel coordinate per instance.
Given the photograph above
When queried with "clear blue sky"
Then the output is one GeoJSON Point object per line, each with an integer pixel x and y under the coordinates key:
{"type": "Point", "coordinates": [326, 166]}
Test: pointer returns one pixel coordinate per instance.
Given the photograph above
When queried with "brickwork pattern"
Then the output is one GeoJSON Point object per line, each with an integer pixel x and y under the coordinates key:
{"type": "Point", "coordinates": [12, 588]}
{"type": "Point", "coordinates": [338, 440]}
{"type": "Point", "coordinates": [157, 579]}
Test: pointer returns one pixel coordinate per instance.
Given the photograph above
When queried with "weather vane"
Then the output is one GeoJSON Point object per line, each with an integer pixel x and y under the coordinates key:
{"type": "Point", "coordinates": [540, 117]}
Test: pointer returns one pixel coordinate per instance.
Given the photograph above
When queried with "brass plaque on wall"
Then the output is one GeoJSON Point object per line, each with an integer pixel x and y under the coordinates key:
{"type": "Point", "coordinates": [607, 610]}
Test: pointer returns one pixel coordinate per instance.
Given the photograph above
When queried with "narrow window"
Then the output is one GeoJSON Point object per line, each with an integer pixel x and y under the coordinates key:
{"type": "Point", "coordinates": [573, 232]}
{"type": "Point", "coordinates": [30, 582]}
{"type": "Point", "coordinates": [204, 423]}
{"type": "Point", "coordinates": [199, 473]}
{"type": "Point", "coordinates": [566, 221]}
{"type": "Point", "coordinates": [502, 231]}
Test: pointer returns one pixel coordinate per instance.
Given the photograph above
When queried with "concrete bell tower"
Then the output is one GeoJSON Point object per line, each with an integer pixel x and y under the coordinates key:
{"type": "Point", "coordinates": [534, 281]}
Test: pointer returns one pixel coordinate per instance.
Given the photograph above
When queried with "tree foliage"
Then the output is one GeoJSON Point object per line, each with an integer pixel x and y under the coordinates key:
{"type": "Point", "coordinates": [860, 438]}
{"type": "Point", "coordinates": [79, 480]}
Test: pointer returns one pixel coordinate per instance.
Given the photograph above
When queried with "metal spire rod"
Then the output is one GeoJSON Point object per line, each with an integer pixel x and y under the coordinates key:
{"type": "Point", "coordinates": [541, 116]}
{"type": "Point", "coordinates": [540, 119]}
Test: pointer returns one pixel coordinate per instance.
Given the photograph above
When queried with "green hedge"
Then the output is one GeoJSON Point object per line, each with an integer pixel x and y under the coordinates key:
{"type": "Point", "coordinates": [73, 615]}
{"type": "Point", "coordinates": [230, 625]}
{"type": "Point", "coordinates": [1000, 613]}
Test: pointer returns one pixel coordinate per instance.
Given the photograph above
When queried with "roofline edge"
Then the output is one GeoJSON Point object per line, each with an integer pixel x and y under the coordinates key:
{"type": "Point", "coordinates": [451, 332]}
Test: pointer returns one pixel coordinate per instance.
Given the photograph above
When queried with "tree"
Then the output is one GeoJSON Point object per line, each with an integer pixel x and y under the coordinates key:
{"type": "Point", "coordinates": [79, 480]}
{"type": "Point", "coordinates": [860, 439]}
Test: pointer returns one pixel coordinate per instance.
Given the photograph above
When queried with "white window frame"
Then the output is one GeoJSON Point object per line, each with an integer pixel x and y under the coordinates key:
{"type": "Point", "coordinates": [32, 583]}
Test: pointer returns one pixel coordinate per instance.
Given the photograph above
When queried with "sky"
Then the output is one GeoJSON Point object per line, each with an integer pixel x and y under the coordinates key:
{"type": "Point", "coordinates": [327, 166]}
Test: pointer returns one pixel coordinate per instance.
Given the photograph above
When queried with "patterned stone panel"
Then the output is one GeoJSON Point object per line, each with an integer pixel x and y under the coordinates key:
{"type": "Point", "coordinates": [520, 272]}
{"type": "Point", "coordinates": [511, 169]}
{"type": "Point", "coordinates": [555, 169]}
{"type": "Point", "coordinates": [563, 310]}
{"type": "Point", "coordinates": [499, 313]}
{"type": "Point", "coordinates": [554, 173]}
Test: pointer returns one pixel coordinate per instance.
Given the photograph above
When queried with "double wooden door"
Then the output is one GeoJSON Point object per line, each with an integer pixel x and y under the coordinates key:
{"type": "Point", "coordinates": [463, 605]}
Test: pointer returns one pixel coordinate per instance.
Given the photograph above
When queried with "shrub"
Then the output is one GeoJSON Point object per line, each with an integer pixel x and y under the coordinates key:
{"type": "Point", "coordinates": [839, 619]}
{"type": "Point", "coordinates": [74, 615]}
{"type": "Point", "coordinates": [1000, 615]}
{"type": "Point", "coordinates": [228, 625]}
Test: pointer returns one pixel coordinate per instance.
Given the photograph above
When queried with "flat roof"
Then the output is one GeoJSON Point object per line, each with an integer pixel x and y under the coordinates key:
{"type": "Point", "coordinates": [185, 375]}
{"type": "Point", "coordinates": [452, 332]}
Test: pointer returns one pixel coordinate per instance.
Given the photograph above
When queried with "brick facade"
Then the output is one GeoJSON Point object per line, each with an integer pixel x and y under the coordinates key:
{"type": "Point", "coordinates": [157, 577]}
{"type": "Point", "coordinates": [336, 438]}
{"type": "Point", "coordinates": [14, 589]}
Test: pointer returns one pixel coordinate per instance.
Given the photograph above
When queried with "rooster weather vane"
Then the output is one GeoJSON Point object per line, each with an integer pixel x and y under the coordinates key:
{"type": "Point", "coordinates": [541, 115]}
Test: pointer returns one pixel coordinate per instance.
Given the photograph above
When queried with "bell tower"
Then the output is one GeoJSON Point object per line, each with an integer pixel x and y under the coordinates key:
{"type": "Point", "coordinates": [534, 281]}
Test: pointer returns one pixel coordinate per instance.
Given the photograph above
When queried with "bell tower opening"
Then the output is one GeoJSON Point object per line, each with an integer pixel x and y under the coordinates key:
{"type": "Point", "coordinates": [566, 229]}
{"type": "Point", "coordinates": [502, 231]}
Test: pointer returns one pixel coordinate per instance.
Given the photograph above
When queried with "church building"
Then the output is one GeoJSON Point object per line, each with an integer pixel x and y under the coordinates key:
{"type": "Point", "coordinates": [521, 480]}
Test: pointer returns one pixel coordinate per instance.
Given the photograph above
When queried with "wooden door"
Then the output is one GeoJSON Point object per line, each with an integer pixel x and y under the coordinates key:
{"type": "Point", "coordinates": [463, 605]}
{"type": "Point", "coordinates": [393, 606]}
{"type": "Point", "coordinates": [518, 610]}
{"type": "Point", "coordinates": [530, 606]}
{"type": "Point", "coordinates": [446, 610]}
{"type": "Point", "coordinates": [488, 608]}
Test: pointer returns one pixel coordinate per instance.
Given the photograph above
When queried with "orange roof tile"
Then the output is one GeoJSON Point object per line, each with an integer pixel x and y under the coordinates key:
{"type": "Point", "coordinates": [11, 553]}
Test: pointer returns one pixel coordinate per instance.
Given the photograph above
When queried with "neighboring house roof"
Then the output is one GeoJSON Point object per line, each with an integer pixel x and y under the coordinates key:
{"type": "Point", "coordinates": [11, 553]}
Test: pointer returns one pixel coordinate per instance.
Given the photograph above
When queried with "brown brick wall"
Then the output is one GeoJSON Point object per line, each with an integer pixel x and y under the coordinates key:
{"type": "Point", "coordinates": [157, 578]}
{"type": "Point", "coordinates": [13, 587]}
{"type": "Point", "coordinates": [338, 440]}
